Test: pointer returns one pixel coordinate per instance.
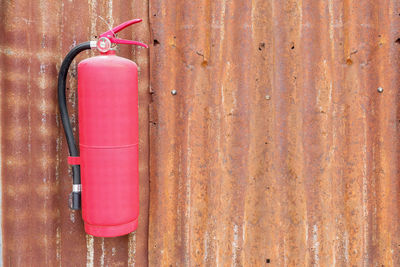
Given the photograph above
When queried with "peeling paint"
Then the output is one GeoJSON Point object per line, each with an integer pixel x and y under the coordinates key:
{"type": "Point", "coordinates": [102, 253]}
{"type": "Point", "coordinates": [89, 251]}
{"type": "Point", "coordinates": [131, 249]}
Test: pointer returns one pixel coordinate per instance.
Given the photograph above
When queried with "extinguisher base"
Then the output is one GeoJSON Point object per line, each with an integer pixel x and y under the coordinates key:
{"type": "Point", "coordinates": [111, 230]}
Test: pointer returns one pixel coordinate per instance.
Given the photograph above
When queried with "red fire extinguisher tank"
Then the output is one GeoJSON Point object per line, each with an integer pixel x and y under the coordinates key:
{"type": "Point", "coordinates": [108, 133]}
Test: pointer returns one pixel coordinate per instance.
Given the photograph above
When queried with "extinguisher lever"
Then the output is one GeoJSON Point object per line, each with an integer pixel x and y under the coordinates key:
{"type": "Point", "coordinates": [122, 41]}
{"type": "Point", "coordinates": [111, 34]}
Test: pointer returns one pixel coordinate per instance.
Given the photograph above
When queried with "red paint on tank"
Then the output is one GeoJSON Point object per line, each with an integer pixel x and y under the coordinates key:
{"type": "Point", "coordinates": [108, 122]}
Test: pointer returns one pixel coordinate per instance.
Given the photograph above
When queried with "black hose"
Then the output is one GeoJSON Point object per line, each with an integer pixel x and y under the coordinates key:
{"type": "Point", "coordinates": [75, 200]}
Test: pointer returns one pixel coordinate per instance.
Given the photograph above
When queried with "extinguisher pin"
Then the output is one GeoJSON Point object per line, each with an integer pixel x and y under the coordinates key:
{"type": "Point", "coordinates": [108, 24]}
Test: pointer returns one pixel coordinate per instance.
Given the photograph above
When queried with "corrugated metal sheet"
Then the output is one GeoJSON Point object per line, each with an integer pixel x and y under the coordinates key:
{"type": "Point", "coordinates": [276, 150]}
{"type": "Point", "coordinates": [277, 146]}
{"type": "Point", "coordinates": [38, 228]}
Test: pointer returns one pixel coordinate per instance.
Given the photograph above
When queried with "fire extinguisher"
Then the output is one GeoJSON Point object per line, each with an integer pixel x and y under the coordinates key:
{"type": "Point", "coordinates": [108, 136]}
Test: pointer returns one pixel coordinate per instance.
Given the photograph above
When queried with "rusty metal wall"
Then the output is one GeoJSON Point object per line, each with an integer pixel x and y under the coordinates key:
{"type": "Point", "coordinates": [38, 229]}
{"type": "Point", "coordinates": [276, 150]}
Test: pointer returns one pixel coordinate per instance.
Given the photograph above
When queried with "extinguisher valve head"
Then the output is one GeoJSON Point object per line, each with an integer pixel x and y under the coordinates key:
{"type": "Point", "coordinates": [103, 44]}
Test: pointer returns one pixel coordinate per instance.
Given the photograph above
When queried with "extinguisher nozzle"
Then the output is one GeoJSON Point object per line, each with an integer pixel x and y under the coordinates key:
{"type": "Point", "coordinates": [75, 200]}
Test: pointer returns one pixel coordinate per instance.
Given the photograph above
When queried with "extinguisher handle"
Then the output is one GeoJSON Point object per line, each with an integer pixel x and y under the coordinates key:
{"type": "Point", "coordinates": [119, 28]}
{"type": "Point", "coordinates": [110, 34]}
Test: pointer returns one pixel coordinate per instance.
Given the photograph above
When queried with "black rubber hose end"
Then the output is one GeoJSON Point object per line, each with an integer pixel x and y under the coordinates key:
{"type": "Point", "coordinates": [75, 201]}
